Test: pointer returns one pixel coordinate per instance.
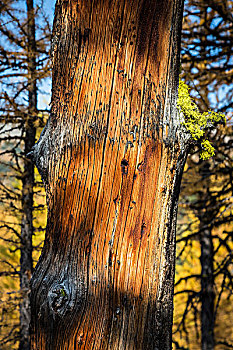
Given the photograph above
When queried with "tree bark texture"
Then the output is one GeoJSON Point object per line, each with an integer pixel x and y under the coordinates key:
{"type": "Point", "coordinates": [111, 157]}
{"type": "Point", "coordinates": [26, 264]}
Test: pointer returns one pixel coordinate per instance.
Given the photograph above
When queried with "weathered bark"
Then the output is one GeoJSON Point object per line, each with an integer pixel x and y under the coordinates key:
{"type": "Point", "coordinates": [111, 157]}
{"type": "Point", "coordinates": [26, 265]}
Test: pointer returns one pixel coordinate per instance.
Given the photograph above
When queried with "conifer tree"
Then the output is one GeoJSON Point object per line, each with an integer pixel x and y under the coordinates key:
{"type": "Point", "coordinates": [207, 189]}
{"type": "Point", "coordinates": [24, 65]}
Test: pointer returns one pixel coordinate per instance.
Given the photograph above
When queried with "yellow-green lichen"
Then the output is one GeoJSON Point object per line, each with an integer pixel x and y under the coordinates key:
{"type": "Point", "coordinates": [207, 150]}
{"type": "Point", "coordinates": [195, 121]}
{"type": "Point", "coordinates": [62, 291]}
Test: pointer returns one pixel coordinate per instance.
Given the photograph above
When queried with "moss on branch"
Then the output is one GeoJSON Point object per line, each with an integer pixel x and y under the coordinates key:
{"type": "Point", "coordinates": [196, 122]}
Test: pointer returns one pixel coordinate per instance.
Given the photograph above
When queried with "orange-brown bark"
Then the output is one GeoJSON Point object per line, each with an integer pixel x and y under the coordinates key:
{"type": "Point", "coordinates": [112, 161]}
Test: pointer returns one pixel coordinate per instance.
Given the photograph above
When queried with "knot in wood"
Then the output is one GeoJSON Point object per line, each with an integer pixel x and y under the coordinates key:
{"type": "Point", "coordinates": [124, 166]}
{"type": "Point", "coordinates": [41, 151]}
{"type": "Point", "coordinates": [58, 299]}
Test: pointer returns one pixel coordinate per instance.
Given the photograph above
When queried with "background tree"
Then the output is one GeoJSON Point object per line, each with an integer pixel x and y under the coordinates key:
{"type": "Point", "coordinates": [207, 66]}
{"type": "Point", "coordinates": [206, 234]}
{"type": "Point", "coordinates": [207, 52]}
{"type": "Point", "coordinates": [24, 65]}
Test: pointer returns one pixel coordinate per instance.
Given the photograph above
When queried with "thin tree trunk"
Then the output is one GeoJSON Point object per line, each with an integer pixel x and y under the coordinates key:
{"type": "Point", "coordinates": [111, 157]}
{"type": "Point", "coordinates": [206, 214]}
{"type": "Point", "coordinates": [26, 265]}
{"type": "Point", "coordinates": [207, 291]}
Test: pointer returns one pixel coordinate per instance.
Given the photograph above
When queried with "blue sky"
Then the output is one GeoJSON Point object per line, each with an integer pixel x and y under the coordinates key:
{"type": "Point", "coordinates": [44, 98]}
{"type": "Point", "coordinates": [49, 6]}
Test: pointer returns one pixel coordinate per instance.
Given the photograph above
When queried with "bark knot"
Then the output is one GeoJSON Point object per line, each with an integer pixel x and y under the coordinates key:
{"type": "Point", "coordinates": [58, 299]}
{"type": "Point", "coordinates": [124, 166]}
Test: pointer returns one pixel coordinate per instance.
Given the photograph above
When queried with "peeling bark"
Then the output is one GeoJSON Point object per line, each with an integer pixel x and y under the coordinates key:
{"type": "Point", "coordinates": [111, 158]}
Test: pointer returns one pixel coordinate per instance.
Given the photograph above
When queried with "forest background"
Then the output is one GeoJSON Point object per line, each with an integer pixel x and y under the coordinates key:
{"type": "Point", "coordinates": [204, 285]}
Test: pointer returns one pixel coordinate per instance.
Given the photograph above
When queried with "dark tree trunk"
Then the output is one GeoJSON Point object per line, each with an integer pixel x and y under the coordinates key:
{"type": "Point", "coordinates": [111, 157]}
{"type": "Point", "coordinates": [26, 264]}
{"type": "Point", "coordinates": [207, 291]}
{"type": "Point", "coordinates": [206, 211]}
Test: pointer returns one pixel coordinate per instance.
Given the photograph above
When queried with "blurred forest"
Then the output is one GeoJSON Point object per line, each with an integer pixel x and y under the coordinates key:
{"type": "Point", "coordinates": [203, 288]}
{"type": "Point", "coordinates": [203, 315]}
{"type": "Point", "coordinates": [25, 71]}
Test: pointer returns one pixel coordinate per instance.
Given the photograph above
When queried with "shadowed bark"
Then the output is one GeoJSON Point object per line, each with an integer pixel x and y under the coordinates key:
{"type": "Point", "coordinates": [111, 157]}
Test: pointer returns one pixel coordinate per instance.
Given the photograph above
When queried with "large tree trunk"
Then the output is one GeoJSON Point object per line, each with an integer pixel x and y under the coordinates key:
{"type": "Point", "coordinates": [26, 265]}
{"type": "Point", "coordinates": [111, 157]}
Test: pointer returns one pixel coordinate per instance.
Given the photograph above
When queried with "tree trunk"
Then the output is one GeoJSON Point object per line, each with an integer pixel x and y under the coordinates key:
{"type": "Point", "coordinates": [205, 209]}
{"type": "Point", "coordinates": [207, 291]}
{"type": "Point", "coordinates": [111, 157]}
{"type": "Point", "coordinates": [26, 265]}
